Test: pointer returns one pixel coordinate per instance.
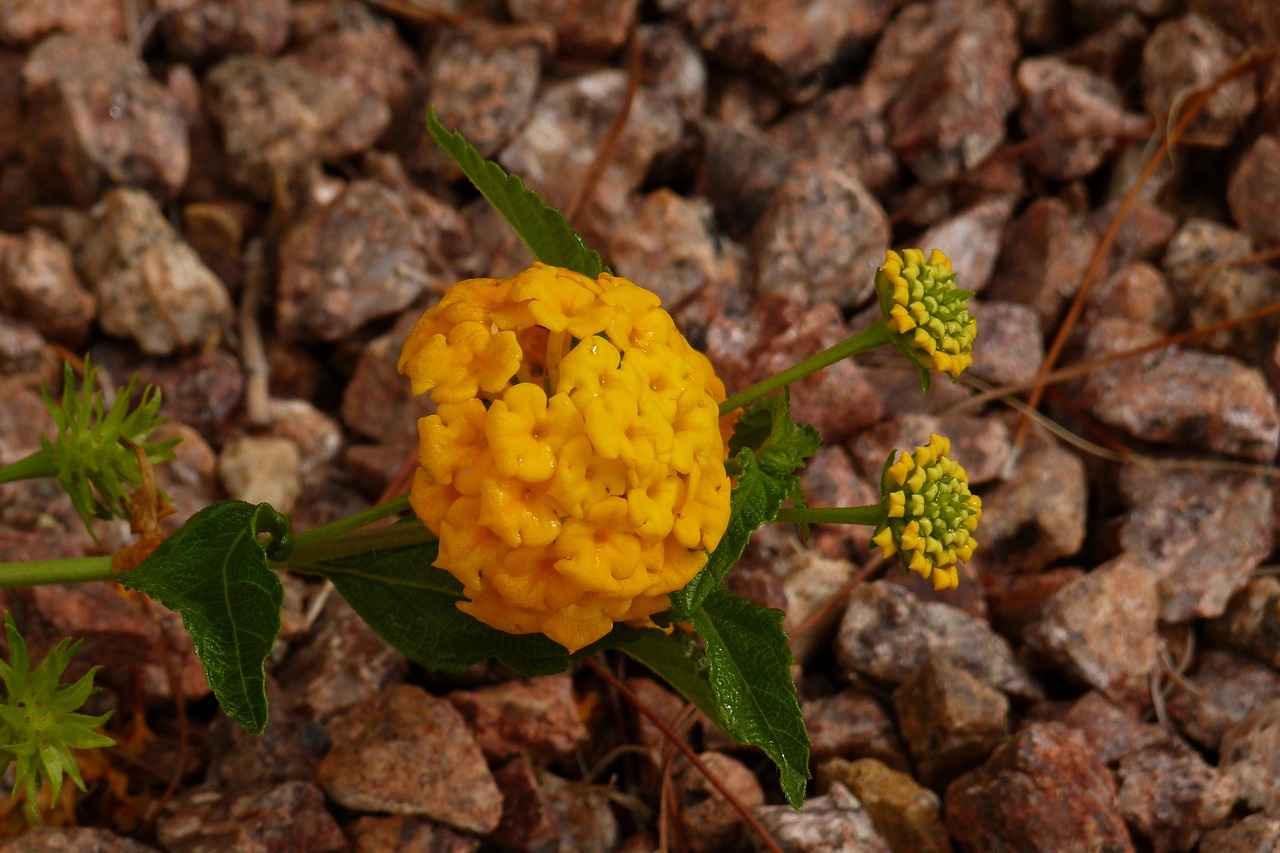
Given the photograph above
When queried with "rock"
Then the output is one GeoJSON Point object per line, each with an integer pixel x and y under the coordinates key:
{"type": "Point", "coordinates": [95, 118]}
{"type": "Point", "coordinates": [317, 436]}
{"type": "Point", "coordinates": [598, 28]}
{"type": "Point", "coordinates": [971, 239]}
{"type": "Point", "coordinates": [201, 391]}
{"type": "Point", "coordinates": [1254, 189]}
{"type": "Point", "coordinates": [536, 717]}
{"type": "Point", "coordinates": [741, 171]}
{"type": "Point", "coordinates": [1143, 231]}
{"type": "Point", "coordinates": [907, 815]}
{"type": "Point", "coordinates": [360, 257]}
{"type": "Point", "coordinates": [526, 818]}
{"type": "Point", "coordinates": [24, 356]}
{"type": "Point", "coordinates": [1109, 731]}
{"type": "Point", "coordinates": [392, 834]}
{"type": "Point", "coordinates": [795, 59]}
{"type": "Point", "coordinates": [406, 752]}
{"type": "Point", "coordinates": [834, 821]}
{"type": "Point", "coordinates": [289, 748]}
{"type": "Point", "coordinates": [1188, 53]}
{"type": "Point", "coordinates": [1042, 259]}
{"type": "Point", "coordinates": [1114, 49]}
{"type": "Point", "coordinates": [482, 84]}
{"type": "Point", "coordinates": [1249, 752]}
{"type": "Point", "coordinates": [853, 725]}
{"type": "Point", "coordinates": [38, 283]}
{"type": "Point", "coordinates": [950, 720]}
{"type": "Point", "coordinates": [1170, 395]}
{"type": "Point", "coordinates": [257, 468]}
{"type": "Point", "coordinates": [583, 816]}
{"type": "Point", "coordinates": [11, 102]}
{"type": "Point", "coordinates": [71, 839]}
{"type": "Point", "coordinates": [1257, 832]}
{"type": "Point", "coordinates": [287, 817]}
{"type": "Point", "coordinates": [190, 478]}
{"type": "Point", "coordinates": [1013, 600]}
{"type": "Point", "coordinates": [709, 822]}
{"type": "Point", "coordinates": [829, 480]}
{"type": "Point", "coordinates": [1251, 621]}
{"type": "Point", "coordinates": [951, 113]}
{"type": "Point", "coordinates": [1039, 791]}
{"type": "Point", "coordinates": [1138, 292]}
{"type": "Point", "coordinates": [1222, 689]}
{"type": "Point", "coordinates": [1012, 347]}
{"type": "Point", "coordinates": [672, 248]}
{"type": "Point", "coordinates": [981, 445]}
{"type": "Point", "coordinates": [1102, 628]}
{"type": "Point", "coordinates": [1079, 115]}
{"type": "Point", "coordinates": [377, 402]}
{"type": "Point", "coordinates": [1038, 514]}
{"type": "Point", "coordinates": [1171, 796]}
{"type": "Point", "coordinates": [844, 128]}
{"type": "Point", "coordinates": [195, 30]}
{"type": "Point", "coordinates": [821, 237]}
{"type": "Point", "coordinates": [342, 663]}
{"type": "Point", "coordinates": [887, 633]}
{"type": "Point", "coordinates": [1201, 532]}
{"type": "Point", "coordinates": [151, 286]}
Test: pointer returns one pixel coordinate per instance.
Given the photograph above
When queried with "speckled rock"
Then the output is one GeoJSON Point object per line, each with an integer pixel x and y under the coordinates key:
{"type": "Point", "coordinates": [1171, 796]}
{"type": "Point", "coordinates": [821, 237]}
{"type": "Point", "coordinates": [280, 819]}
{"type": "Point", "coordinates": [1012, 347]}
{"type": "Point", "coordinates": [38, 283]}
{"type": "Point", "coordinates": [851, 725]}
{"type": "Point", "coordinates": [258, 468]}
{"type": "Point", "coordinates": [1138, 292]}
{"type": "Point", "coordinates": [908, 815]}
{"type": "Point", "coordinates": [845, 128]}
{"type": "Point", "coordinates": [887, 633]}
{"type": "Point", "coordinates": [197, 29]}
{"type": "Point", "coordinates": [151, 286]}
{"type": "Point", "coordinates": [949, 719]}
{"type": "Point", "coordinates": [833, 821]}
{"type": "Point", "coordinates": [709, 822]}
{"type": "Point", "coordinates": [1102, 628]}
{"type": "Point", "coordinates": [1109, 731]}
{"type": "Point", "coordinates": [1042, 259]}
{"type": "Point", "coordinates": [71, 839]}
{"type": "Point", "coordinates": [1249, 752]}
{"type": "Point", "coordinates": [95, 118]}
{"type": "Point", "coordinates": [584, 26]}
{"type": "Point", "coordinates": [1013, 600]}
{"type": "Point", "coordinates": [1255, 833]}
{"type": "Point", "coordinates": [537, 717]}
{"type": "Point", "coordinates": [1171, 395]}
{"type": "Point", "coordinates": [1227, 686]}
{"type": "Point", "coordinates": [971, 239]}
{"type": "Point", "coordinates": [1202, 532]}
{"type": "Point", "coordinates": [1038, 514]}
{"type": "Point", "coordinates": [1251, 621]}
{"type": "Point", "coordinates": [406, 752]}
{"type": "Point", "coordinates": [395, 833]}
{"type": "Point", "coordinates": [1041, 790]}
{"type": "Point", "coordinates": [1254, 190]}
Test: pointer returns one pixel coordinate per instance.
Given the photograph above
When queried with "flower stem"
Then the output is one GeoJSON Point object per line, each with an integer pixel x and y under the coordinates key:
{"type": "Point", "coordinates": [38, 464]}
{"type": "Point", "coordinates": [869, 515]}
{"type": "Point", "coordinates": [867, 339]}
{"type": "Point", "coordinates": [69, 570]}
{"type": "Point", "coordinates": [390, 536]}
{"type": "Point", "coordinates": [351, 522]}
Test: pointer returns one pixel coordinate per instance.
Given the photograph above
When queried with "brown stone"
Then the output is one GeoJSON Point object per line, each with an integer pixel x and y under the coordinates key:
{"type": "Point", "coordinates": [1037, 515]}
{"type": "Point", "coordinates": [197, 29]}
{"type": "Point", "coordinates": [1109, 731]}
{"type": "Point", "coordinates": [1249, 752]}
{"type": "Point", "coordinates": [1254, 190]}
{"type": "Point", "coordinates": [907, 814]}
{"type": "Point", "coordinates": [1251, 621]}
{"type": "Point", "coordinates": [286, 817]}
{"type": "Point", "coordinates": [852, 725]}
{"type": "Point", "coordinates": [537, 717]}
{"type": "Point", "coordinates": [1171, 796]}
{"type": "Point", "coordinates": [38, 283]}
{"type": "Point", "coordinates": [709, 822]}
{"type": "Point", "coordinates": [1042, 259]}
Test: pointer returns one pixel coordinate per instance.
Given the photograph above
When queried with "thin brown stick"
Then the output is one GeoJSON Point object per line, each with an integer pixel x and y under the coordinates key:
{"type": "Point", "coordinates": [608, 146]}
{"type": "Point", "coordinates": [253, 353]}
{"type": "Point", "coordinates": [1195, 105]}
{"type": "Point", "coordinates": [687, 752]}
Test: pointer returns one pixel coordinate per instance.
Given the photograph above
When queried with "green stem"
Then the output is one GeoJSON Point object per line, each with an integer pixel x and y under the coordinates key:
{"type": "Point", "coordinates": [867, 339]}
{"type": "Point", "coordinates": [868, 515]}
{"type": "Point", "coordinates": [70, 570]}
{"type": "Point", "coordinates": [351, 522]}
{"type": "Point", "coordinates": [412, 532]}
{"type": "Point", "coordinates": [38, 464]}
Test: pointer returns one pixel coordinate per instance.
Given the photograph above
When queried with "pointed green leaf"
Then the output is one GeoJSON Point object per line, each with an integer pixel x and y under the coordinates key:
{"type": "Point", "coordinates": [412, 605]}
{"type": "Point", "coordinates": [214, 572]}
{"type": "Point", "coordinates": [750, 678]}
{"type": "Point", "coordinates": [542, 228]}
{"type": "Point", "coordinates": [676, 659]}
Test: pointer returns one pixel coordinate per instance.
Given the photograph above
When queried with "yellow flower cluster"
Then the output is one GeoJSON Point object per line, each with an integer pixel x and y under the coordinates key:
{"type": "Point", "coordinates": [930, 513]}
{"type": "Point", "coordinates": [926, 312]}
{"type": "Point", "coordinates": [574, 468]}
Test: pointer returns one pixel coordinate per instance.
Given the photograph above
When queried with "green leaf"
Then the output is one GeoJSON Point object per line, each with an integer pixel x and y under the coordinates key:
{"type": "Point", "coordinates": [543, 229]}
{"type": "Point", "coordinates": [677, 659]}
{"type": "Point", "coordinates": [780, 444]}
{"type": "Point", "coordinates": [411, 605]}
{"type": "Point", "coordinates": [750, 678]}
{"type": "Point", "coordinates": [214, 572]}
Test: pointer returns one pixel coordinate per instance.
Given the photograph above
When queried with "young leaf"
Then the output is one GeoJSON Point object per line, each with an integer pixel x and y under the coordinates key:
{"type": "Point", "coordinates": [214, 572]}
{"type": "Point", "coordinates": [750, 678]}
{"type": "Point", "coordinates": [542, 228]}
{"type": "Point", "coordinates": [410, 604]}
{"type": "Point", "coordinates": [780, 444]}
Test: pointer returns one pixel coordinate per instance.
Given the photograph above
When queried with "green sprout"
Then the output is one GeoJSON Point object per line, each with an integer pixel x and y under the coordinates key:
{"type": "Point", "coordinates": [86, 455]}
{"type": "Point", "coordinates": [39, 723]}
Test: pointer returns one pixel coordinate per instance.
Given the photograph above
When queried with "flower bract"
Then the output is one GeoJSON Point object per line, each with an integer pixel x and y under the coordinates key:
{"type": "Point", "coordinates": [927, 315]}
{"type": "Point", "coordinates": [574, 467]}
{"type": "Point", "coordinates": [930, 514]}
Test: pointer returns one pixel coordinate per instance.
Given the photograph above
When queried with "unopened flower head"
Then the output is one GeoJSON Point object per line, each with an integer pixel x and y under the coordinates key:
{"type": "Point", "coordinates": [925, 311]}
{"type": "Point", "coordinates": [574, 468]}
{"type": "Point", "coordinates": [930, 513]}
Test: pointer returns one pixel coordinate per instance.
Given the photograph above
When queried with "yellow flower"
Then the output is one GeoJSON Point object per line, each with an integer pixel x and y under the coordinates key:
{"type": "Point", "coordinates": [574, 468]}
{"type": "Point", "coordinates": [925, 312]}
{"type": "Point", "coordinates": [929, 513]}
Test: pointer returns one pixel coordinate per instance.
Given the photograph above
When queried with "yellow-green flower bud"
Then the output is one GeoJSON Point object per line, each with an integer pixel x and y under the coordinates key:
{"type": "Point", "coordinates": [930, 514]}
{"type": "Point", "coordinates": [925, 312]}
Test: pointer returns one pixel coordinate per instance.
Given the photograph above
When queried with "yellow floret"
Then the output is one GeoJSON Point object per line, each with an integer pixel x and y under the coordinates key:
{"type": "Point", "coordinates": [574, 468]}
